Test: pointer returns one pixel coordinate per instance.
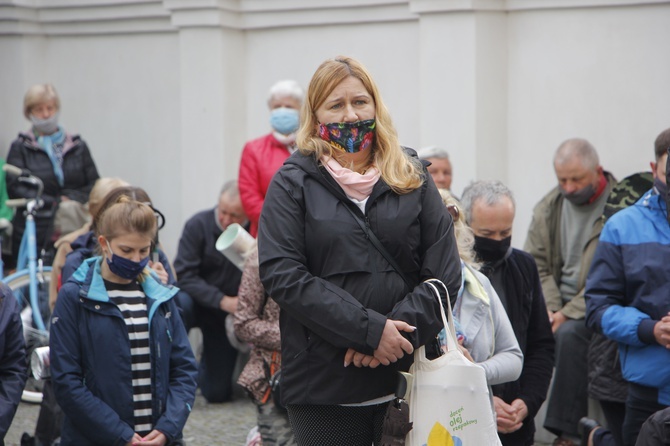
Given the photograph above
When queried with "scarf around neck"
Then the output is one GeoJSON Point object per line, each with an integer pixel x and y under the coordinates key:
{"type": "Point", "coordinates": [354, 184]}
{"type": "Point", "coordinates": [53, 146]}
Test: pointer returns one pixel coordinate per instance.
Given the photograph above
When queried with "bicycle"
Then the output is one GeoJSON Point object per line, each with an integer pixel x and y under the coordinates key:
{"type": "Point", "coordinates": [30, 281]}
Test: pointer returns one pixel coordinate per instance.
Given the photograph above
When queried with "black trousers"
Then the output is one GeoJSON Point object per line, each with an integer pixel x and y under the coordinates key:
{"type": "Point", "coordinates": [568, 401]}
{"type": "Point", "coordinates": [337, 425]}
{"type": "Point", "coordinates": [50, 418]}
{"type": "Point", "coordinates": [217, 363]}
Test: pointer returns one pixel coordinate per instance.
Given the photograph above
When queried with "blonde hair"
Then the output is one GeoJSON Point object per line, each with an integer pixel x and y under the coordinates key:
{"type": "Point", "coordinates": [101, 188]}
{"type": "Point", "coordinates": [401, 172]}
{"type": "Point", "coordinates": [465, 237]}
{"type": "Point", "coordinates": [39, 94]}
{"type": "Point", "coordinates": [127, 216]}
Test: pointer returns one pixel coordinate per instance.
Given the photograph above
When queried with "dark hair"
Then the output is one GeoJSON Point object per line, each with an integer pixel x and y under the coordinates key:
{"type": "Point", "coordinates": [662, 144]}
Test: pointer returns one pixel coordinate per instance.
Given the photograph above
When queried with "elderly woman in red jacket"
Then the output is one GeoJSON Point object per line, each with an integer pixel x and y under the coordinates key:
{"type": "Point", "coordinates": [263, 156]}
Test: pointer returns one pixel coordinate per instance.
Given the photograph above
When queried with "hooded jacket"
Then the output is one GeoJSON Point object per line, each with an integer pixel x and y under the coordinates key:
{"type": "Point", "coordinates": [336, 290]}
{"type": "Point", "coordinates": [79, 170]}
{"type": "Point", "coordinates": [84, 247]}
{"type": "Point", "coordinates": [79, 176]}
{"type": "Point", "coordinates": [628, 291]}
{"type": "Point", "coordinates": [13, 364]}
{"type": "Point", "coordinates": [91, 361]}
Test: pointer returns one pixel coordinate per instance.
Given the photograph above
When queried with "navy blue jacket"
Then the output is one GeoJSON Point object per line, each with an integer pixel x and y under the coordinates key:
{"type": "Point", "coordinates": [628, 291]}
{"type": "Point", "coordinates": [91, 362]}
{"type": "Point", "coordinates": [204, 273]}
{"type": "Point", "coordinates": [13, 364]}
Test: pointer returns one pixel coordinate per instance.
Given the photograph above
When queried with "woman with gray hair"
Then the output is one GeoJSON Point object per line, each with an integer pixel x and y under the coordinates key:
{"type": "Point", "coordinates": [61, 160]}
{"type": "Point", "coordinates": [262, 157]}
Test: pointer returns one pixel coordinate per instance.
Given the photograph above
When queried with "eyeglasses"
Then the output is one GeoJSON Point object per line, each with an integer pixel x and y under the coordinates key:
{"type": "Point", "coordinates": [453, 210]}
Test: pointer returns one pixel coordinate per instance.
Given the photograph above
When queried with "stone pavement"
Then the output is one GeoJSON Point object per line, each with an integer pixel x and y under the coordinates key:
{"type": "Point", "coordinates": [225, 424]}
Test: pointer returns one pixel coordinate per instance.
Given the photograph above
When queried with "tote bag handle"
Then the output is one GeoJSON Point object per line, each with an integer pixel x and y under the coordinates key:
{"type": "Point", "coordinates": [449, 326]}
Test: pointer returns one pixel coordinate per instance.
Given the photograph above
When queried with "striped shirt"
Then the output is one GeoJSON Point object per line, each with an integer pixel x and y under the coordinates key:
{"type": "Point", "coordinates": [131, 300]}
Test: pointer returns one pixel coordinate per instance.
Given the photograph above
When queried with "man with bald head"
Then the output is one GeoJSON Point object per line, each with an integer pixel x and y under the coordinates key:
{"type": "Point", "coordinates": [562, 239]}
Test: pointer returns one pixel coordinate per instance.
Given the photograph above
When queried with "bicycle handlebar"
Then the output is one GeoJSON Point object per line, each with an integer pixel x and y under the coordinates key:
{"type": "Point", "coordinates": [24, 176]}
{"type": "Point", "coordinates": [13, 170]}
{"type": "Point", "coordinates": [17, 202]}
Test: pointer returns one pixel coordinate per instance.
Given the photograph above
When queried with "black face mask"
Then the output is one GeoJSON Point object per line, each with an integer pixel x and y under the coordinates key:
{"type": "Point", "coordinates": [661, 187]}
{"type": "Point", "coordinates": [581, 196]}
{"type": "Point", "coordinates": [489, 250]}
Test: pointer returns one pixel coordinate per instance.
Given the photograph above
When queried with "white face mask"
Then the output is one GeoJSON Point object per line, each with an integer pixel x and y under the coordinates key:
{"type": "Point", "coordinates": [287, 140]}
{"type": "Point", "coordinates": [45, 126]}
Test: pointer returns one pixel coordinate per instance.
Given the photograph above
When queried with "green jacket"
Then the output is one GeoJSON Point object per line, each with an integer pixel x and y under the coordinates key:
{"type": "Point", "coordinates": [5, 212]}
{"type": "Point", "coordinates": [544, 244]}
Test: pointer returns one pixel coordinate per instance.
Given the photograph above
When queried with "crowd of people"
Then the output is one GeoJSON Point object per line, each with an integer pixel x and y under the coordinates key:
{"type": "Point", "coordinates": [332, 297]}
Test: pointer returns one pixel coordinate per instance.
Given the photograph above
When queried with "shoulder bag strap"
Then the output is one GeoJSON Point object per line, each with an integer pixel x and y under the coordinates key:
{"type": "Point", "coordinates": [370, 235]}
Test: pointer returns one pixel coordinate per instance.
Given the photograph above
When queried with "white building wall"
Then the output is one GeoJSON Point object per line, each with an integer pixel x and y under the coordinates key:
{"type": "Point", "coordinates": [167, 92]}
{"type": "Point", "coordinates": [596, 73]}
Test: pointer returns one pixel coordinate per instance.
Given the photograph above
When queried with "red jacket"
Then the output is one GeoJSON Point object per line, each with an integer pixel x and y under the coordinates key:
{"type": "Point", "coordinates": [261, 158]}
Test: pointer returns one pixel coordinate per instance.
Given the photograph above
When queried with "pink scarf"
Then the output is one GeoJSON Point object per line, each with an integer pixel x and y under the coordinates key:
{"type": "Point", "coordinates": [353, 183]}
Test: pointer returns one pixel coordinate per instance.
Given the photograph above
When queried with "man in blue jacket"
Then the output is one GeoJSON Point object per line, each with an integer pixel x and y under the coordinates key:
{"type": "Point", "coordinates": [13, 365]}
{"type": "Point", "coordinates": [628, 296]}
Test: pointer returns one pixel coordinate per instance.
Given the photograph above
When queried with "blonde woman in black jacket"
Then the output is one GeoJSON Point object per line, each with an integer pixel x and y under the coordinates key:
{"type": "Point", "coordinates": [61, 160]}
{"type": "Point", "coordinates": [349, 319]}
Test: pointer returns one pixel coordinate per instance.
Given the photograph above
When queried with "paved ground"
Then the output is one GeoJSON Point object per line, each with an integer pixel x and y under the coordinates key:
{"type": "Point", "coordinates": [225, 424]}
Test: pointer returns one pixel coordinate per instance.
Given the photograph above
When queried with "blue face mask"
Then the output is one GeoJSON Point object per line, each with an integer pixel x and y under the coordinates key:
{"type": "Point", "coordinates": [285, 120]}
{"type": "Point", "coordinates": [126, 268]}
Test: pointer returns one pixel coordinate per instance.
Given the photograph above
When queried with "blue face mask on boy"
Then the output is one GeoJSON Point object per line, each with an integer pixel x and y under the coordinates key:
{"type": "Point", "coordinates": [126, 268]}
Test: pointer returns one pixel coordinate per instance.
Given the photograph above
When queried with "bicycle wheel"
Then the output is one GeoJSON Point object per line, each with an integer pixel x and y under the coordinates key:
{"type": "Point", "coordinates": [19, 284]}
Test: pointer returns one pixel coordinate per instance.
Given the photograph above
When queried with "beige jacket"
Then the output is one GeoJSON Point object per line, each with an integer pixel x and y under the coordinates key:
{"type": "Point", "coordinates": [544, 244]}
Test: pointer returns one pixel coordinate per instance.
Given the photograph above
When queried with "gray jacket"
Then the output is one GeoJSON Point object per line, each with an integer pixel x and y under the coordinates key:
{"type": "Point", "coordinates": [489, 335]}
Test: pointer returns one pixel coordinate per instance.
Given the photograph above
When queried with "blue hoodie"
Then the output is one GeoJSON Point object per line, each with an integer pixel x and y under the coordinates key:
{"type": "Point", "coordinates": [91, 361]}
{"type": "Point", "coordinates": [628, 290]}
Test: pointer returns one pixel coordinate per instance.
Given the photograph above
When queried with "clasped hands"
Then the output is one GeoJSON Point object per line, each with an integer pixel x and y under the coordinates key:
{"type": "Point", "coordinates": [510, 417]}
{"type": "Point", "coordinates": [155, 438]}
{"type": "Point", "coordinates": [392, 347]}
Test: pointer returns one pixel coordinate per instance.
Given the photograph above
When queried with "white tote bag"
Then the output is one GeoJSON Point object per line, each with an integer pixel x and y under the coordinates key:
{"type": "Point", "coordinates": [450, 404]}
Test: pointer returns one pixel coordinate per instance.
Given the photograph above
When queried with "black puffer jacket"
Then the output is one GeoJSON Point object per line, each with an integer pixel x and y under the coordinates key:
{"type": "Point", "coordinates": [79, 176]}
{"type": "Point", "coordinates": [336, 290]}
